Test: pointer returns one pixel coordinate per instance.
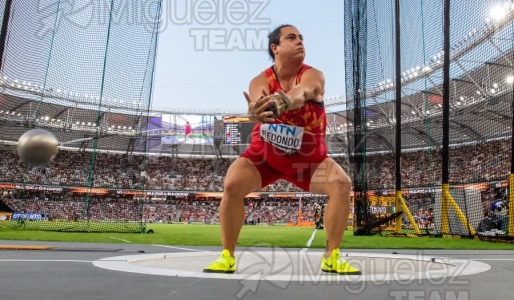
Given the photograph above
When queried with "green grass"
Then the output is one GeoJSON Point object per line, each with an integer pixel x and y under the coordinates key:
{"type": "Point", "coordinates": [209, 235]}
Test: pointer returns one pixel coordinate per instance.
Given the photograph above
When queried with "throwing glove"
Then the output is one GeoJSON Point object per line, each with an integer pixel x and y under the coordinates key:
{"type": "Point", "coordinates": [280, 102]}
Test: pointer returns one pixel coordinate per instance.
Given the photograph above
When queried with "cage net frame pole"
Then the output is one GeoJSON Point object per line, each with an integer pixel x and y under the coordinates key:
{"type": "Point", "coordinates": [398, 117]}
{"type": "Point", "coordinates": [98, 117]}
{"type": "Point", "coordinates": [144, 179]}
{"type": "Point", "coordinates": [400, 204]}
{"type": "Point", "coordinates": [445, 226]}
{"type": "Point", "coordinates": [359, 31]}
{"type": "Point", "coordinates": [3, 32]}
{"type": "Point", "coordinates": [447, 199]}
{"type": "Point", "coordinates": [511, 175]}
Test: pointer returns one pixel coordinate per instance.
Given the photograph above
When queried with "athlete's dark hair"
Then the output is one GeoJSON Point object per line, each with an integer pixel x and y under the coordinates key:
{"type": "Point", "coordinates": [274, 38]}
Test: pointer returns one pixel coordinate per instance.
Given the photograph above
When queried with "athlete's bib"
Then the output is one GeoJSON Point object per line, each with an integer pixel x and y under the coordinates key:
{"type": "Point", "coordinates": [285, 137]}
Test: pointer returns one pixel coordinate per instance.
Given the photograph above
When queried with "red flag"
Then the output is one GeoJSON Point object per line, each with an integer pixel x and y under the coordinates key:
{"type": "Point", "coordinates": [435, 99]}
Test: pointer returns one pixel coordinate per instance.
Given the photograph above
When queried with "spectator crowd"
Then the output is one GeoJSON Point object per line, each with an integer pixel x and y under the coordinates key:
{"type": "Point", "coordinates": [473, 163]}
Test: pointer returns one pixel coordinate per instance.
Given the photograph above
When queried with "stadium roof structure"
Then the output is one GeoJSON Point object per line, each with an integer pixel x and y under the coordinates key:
{"type": "Point", "coordinates": [477, 114]}
{"type": "Point", "coordinates": [480, 110]}
{"type": "Point", "coordinates": [480, 102]}
{"type": "Point", "coordinates": [480, 98]}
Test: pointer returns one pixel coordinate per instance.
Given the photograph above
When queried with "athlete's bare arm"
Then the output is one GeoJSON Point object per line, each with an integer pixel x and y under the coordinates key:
{"type": "Point", "coordinates": [257, 100]}
{"type": "Point", "coordinates": [312, 87]}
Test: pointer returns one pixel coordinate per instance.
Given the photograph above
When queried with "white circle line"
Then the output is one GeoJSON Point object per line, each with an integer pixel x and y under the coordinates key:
{"type": "Point", "coordinates": [452, 268]}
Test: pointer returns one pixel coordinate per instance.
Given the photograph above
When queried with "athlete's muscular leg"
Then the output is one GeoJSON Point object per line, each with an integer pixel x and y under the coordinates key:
{"type": "Point", "coordinates": [241, 179]}
{"type": "Point", "coordinates": [330, 179]}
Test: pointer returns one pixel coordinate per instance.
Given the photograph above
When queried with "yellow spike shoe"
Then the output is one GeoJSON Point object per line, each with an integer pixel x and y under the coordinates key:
{"type": "Point", "coordinates": [224, 264]}
{"type": "Point", "coordinates": [335, 264]}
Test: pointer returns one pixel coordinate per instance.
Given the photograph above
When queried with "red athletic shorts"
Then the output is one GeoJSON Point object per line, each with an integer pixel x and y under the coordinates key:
{"type": "Point", "coordinates": [274, 164]}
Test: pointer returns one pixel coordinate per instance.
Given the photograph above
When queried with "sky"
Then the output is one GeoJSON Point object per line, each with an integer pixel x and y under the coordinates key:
{"type": "Point", "coordinates": [209, 50]}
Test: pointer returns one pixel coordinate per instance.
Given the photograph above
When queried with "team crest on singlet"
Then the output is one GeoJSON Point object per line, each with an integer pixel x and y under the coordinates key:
{"type": "Point", "coordinates": [285, 137]}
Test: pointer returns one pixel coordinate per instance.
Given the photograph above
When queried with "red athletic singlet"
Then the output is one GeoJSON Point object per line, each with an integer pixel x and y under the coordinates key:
{"type": "Point", "coordinates": [273, 163]}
